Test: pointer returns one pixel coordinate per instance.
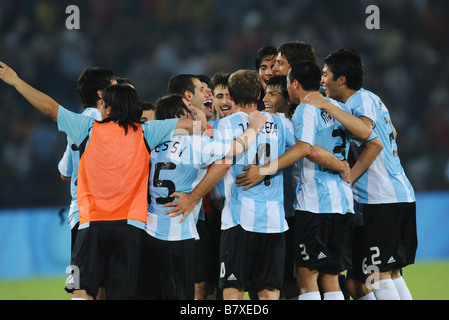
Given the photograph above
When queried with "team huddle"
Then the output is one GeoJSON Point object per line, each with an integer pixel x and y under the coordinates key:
{"type": "Point", "coordinates": [284, 181]}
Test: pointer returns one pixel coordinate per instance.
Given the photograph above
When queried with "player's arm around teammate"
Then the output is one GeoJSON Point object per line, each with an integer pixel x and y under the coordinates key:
{"type": "Point", "coordinates": [49, 107]}
{"type": "Point", "coordinates": [187, 201]}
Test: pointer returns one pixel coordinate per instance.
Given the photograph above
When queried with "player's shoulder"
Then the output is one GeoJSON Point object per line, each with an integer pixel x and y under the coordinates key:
{"type": "Point", "coordinates": [92, 113]}
{"type": "Point", "coordinates": [339, 104]}
{"type": "Point", "coordinates": [235, 120]}
{"type": "Point", "coordinates": [362, 96]}
{"type": "Point", "coordinates": [281, 119]}
{"type": "Point", "coordinates": [304, 109]}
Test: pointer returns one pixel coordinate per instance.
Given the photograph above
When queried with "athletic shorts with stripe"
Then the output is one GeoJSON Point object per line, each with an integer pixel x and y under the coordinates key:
{"type": "Point", "coordinates": [322, 241]}
{"type": "Point", "coordinates": [251, 260]}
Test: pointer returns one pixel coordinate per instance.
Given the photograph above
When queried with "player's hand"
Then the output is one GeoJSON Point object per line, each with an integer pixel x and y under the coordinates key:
{"type": "Point", "coordinates": [315, 99]}
{"type": "Point", "coordinates": [8, 75]}
{"type": "Point", "coordinates": [345, 173]}
{"type": "Point", "coordinates": [184, 205]}
{"type": "Point", "coordinates": [257, 120]}
{"type": "Point", "coordinates": [250, 178]}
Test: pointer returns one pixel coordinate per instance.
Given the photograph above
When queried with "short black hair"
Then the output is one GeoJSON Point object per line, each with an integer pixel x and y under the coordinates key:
{"type": "Point", "coordinates": [264, 52]}
{"type": "Point", "coordinates": [220, 79]}
{"type": "Point", "coordinates": [90, 81]}
{"type": "Point", "coordinates": [281, 82]}
{"type": "Point", "coordinates": [148, 106]}
{"type": "Point", "coordinates": [307, 73]}
{"type": "Point", "coordinates": [179, 83]}
{"type": "Point", "coordinates": [346, 62]}
{"type": "Point", "coordinates": [205, 79]}
{"type": "Point", "coordinates": [169, 107]}
{"type": "Point", "coordinates": [297, 51]}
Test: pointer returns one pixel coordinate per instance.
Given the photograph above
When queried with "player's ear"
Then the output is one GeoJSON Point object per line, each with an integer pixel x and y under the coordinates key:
{"type": "Point", "coordinates": [100, 97]}
{"type": "Point", "coordinates": [341, 80]}
{"type": "Point", "coordinates": [296, 84]}
{"type": "Point", "coordinates": [188, 95]}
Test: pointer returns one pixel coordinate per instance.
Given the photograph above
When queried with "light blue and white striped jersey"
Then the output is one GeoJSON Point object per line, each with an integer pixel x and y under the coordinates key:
{"type": "Point", "coordinates": [179, 165]}
{"type": "Point", "coordinates": [291, 181]}
{"type": "Point", "coordinates": [68, 166]}
{"type": "Point", "coordinates": [217, 193]}
{"type": "Point", "coordinates": [260, 208]}
{"type": "Point", "coordinates": [385, 180]}
{"type": "Point", "coordinates": [322, 190]}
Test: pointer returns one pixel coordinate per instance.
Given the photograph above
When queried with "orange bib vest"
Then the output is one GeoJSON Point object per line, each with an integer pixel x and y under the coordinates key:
{"type": "Point", "coordinates": [113, 175]}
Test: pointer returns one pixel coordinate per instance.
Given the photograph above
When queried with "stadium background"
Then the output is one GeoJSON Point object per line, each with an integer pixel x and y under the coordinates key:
{"type": "Point", "coordinates": [150, 40]}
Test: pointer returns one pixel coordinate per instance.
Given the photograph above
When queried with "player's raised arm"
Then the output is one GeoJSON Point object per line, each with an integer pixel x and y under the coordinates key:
{"type": "Point", "coordinates": [45, 104]}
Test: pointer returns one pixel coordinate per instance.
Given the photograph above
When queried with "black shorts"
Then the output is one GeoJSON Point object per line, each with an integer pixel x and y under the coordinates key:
{"type": "Point", "coordinates": [322, 241]}
{"type": "Point", "coordinates": [167, 269]}
{"type": "Point", "coordinates": [251, 260]}
{"type": "Point", "coordinates": [74, 231]}
{"type": "Point", "coordinates": [387, 240]}
{"type": "Point", "coordinates": [290, 268]}
{"type": "Point", "coordinates": [107, 254]}
{"type": "Point", "coordinates": [206, 251]}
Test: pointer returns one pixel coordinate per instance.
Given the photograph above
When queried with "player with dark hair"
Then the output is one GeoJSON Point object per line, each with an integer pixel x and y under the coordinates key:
{"type": "Point", "coordinates": [276, 97]}
{"type": "Point", "coordinates": [383, 195]}
{"type": "Point", "coordinates": [112, 183]}
{"type": "Point", "coordinates": [90, 84]}
{"type": "Point", "coordinates": [323, 198]}
{"type": "Point", "coordinates": [177, 166]}
{"type": "Point", "coordinates": [148, 110]}
{"type": "Point", "coordinates": [264, 63]}
{"type": "Point", "coordinates": [290, 52]}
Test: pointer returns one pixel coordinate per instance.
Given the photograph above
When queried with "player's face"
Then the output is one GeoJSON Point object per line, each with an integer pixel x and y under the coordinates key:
{"type": "Point", "coordinates": [222, 103]}
{"type": "Point", "coordinates": [328, 83]}
{"type": "Point", "coordinates": [274, 100]}
{"type": "Point", "coordinates": [104, 110]}
{"type": "Point", "coordinates": [281, 66]}
{"type": "Point", "coordinates": [199, 95]}
{"type": "Point", "coordinates": [292, 92]}
{"type": "Point", "coordinates": [147, 115]}
{"type": "Point", "coordinates": [266, 69]}
{"type": "Point", "coordinates": [208, 102]}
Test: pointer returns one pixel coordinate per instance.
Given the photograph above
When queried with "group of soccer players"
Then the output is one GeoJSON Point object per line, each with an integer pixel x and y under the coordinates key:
{"type": "Point", "coordinates": [279, 204]}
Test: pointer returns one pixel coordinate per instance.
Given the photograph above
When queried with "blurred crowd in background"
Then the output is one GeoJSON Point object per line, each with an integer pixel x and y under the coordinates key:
{"type": "Point", "coordinates": [148, 41]}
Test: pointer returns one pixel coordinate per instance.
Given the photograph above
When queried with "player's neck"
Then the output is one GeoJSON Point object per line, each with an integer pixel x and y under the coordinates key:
{"type": "Point", "coordinates": [248, 108]}
{"type": "Point", "coordinates": [346, 94]}
{"type": "Point", "coordinates": [304, 94]}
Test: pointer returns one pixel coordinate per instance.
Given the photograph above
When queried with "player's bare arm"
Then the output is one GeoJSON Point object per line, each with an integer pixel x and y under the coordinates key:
{"type": "Point", "coordinates": [255, 174]}
{"type": "Point", "coordinates": [187, 201]}
{"type": "Point", "coordinates": [324, 158]}
{"type": "Point", "coordinates": [361, 128]}
{"type": "Point", "coordinates": [45, 104]}
{"type": "Point", "coordinates": [371, 150]}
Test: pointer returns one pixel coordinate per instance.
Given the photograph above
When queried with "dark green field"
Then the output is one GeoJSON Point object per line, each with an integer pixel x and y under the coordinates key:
{"type": "Point", "coordinates": [426, 280]}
